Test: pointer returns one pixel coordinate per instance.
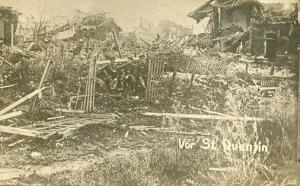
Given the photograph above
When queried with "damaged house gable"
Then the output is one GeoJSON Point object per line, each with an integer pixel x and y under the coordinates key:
{"type": "Point", "coordinates": [95, 26]}
{"type": "Point", "coordinates": [246, 23]}
{"type": "Point", "coordinates": [87, 26]}
{"type": "Point", "coordinates": [223, 13]}
{"type": "Point", "coordinates": [8, 23]}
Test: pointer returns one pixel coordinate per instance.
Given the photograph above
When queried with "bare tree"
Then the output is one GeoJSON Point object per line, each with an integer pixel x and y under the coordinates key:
{"type": "Point", "coordinates": [40, 23]}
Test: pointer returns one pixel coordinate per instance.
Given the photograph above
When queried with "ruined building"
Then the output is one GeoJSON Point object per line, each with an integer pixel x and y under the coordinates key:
{"type": "Point", "coordinates": [8, 24]}
{"type": "Point", "coordinates": [249, 23]}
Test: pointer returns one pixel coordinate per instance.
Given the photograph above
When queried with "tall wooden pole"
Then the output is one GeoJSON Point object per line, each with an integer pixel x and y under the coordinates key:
{"type": "Point", "coordinates": [298, 110]}
{"type": "Point", "coordinates": [298, 119]}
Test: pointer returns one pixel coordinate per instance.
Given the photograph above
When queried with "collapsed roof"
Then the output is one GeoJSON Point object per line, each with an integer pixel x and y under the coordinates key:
{"type": "Point", "coordinates": [9, 11]}
{"type": "Point", "coordinates": [229, 5]}
{"type": "Point", "coordinates": [84, 21]}
{"type": "Point", "coordinates": [95, 20]}
{"type": "Point", "coordinates": [270, 12]}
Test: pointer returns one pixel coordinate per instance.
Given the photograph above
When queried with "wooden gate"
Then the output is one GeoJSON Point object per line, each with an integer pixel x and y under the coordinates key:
{"type": "Point", "coordinates": [154, 89]}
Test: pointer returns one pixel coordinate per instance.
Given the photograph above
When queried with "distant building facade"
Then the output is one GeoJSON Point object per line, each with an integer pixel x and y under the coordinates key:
{"type": "Point", "coordinates": [172, 29]}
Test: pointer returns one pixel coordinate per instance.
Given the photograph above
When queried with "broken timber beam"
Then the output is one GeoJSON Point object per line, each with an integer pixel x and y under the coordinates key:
{"type": "Point", "coordinates": [10, 115]}
{"type": "Point", "coordinates": [20, 101]}
{"type": "Point", "coordinates": [210, 117]}
{"type": "Point", "coordinates": [45, 73]}
{"type": "Point", "coordinates": [19, 131]}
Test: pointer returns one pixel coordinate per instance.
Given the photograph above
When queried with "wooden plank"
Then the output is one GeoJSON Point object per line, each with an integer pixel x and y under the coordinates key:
{"type": "Point", "coordinates": [10, 115]}
{"type": "Point", "coordinates": [20, 101]}
{"type": "Point", "coordinates": [208, 111]}
{"type": "Point", "coordinates": [165, 130]}
{"type": "Point", "coordinates": [88, 115]}
{"type": "Point", "coordinates": [19, 131]}
{"type": "Point", "coordinates": [8, 86]}
{"type": "Point", "coordinates": [16, 143]}
{"type": "Point", "coordinates": [118, 60]}
{"type": "Point", "coordinates": [70, 111]}
{"type": "Point", "coordinates": [202, 117]}
{"type": "Point", "coordinates": [55, 118]}
{"type": "Point", "coordinates": [223, 169]}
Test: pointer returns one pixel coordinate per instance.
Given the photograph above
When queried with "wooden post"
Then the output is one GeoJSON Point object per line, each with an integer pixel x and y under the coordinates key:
{"type": "Point", "coordinates": [152, 78]}
{"type": "Point", "coordinates": [94, 83]}
{"type": "Point", "coordinates": [175, 67]}
{"type": "Point", "coordinates": [117, 42]}
{"type": "Point", "coordinates": [12, 35]}
{"type": "Point", "coordinates": [162, 69]}
{"type": "Point", "coordinates": [191, 85]}
{"type": "Point", "coordinates": [216, 19]}
{"type": "Point", "coordinates": [156, 76]}
{"type": "Point", "coordinates": [77, 97]}
{"type": "Point", "coordinates": [148, 80]}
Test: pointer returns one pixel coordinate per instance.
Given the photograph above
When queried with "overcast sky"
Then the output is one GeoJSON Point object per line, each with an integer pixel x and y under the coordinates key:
{"type": "Point", "coordinates": [125, 12]}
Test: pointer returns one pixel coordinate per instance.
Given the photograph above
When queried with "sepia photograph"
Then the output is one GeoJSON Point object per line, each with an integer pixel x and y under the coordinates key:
{"type": "Point", "coordinates": [149, 93]}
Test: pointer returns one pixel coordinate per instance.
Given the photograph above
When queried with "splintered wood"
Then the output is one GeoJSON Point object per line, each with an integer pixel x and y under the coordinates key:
{"type": "Point", "coordinates": [89, 100]}
{"type": "Point", "coordinates": [64, 127]}
{"type": "Point", "coordinates": [154, 88]}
